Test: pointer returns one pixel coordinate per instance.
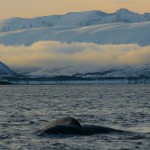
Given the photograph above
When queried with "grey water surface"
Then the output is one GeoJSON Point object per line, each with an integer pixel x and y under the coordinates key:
{"type": "Point", "coordinates": [23, 109]}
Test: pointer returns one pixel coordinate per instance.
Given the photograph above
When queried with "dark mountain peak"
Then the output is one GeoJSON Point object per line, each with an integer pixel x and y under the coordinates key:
{"type": "Point", "coordinates": [125, 11]}
{"type": "Point", "coordinates": [5, 70]}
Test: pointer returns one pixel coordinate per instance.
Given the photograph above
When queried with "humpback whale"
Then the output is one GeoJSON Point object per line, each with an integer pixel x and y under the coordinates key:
{"type": "Point", "coordinates": [71, 126]}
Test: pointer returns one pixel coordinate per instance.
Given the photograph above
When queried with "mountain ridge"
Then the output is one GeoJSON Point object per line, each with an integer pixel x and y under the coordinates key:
{"type": "Point", "coordinates": [76, 19]}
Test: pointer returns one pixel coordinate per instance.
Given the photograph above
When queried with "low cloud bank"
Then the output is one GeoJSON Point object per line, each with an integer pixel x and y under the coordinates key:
{"type": "Point", "coordinates": [53, 52]}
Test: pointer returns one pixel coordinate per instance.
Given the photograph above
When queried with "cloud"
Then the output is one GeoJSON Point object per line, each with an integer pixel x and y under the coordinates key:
{"type": "Point", "coordinates": [53, 52]}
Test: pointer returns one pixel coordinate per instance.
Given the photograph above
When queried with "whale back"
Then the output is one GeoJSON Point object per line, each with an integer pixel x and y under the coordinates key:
{"type": "Point", "coordinates": [71, 126]}
{"type": "Point", "coordinates": [67, 121]}
{"type": "Point", "coordinates": [62, 125]}
{"type": "Point", "coordinates": [94, 129]}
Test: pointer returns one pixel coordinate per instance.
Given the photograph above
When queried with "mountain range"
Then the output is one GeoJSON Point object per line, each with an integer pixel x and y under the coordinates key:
{"type": "Point", "coordinates": [73, 19]}
{"type": "Point", "coordinates": [84, 71]}
{"type": "Point", "coordinates": [87, 71]}
{"type": "Point", "coordinates": [121, 27]}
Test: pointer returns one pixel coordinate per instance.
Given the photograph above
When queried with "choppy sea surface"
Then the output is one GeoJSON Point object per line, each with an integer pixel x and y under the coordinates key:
{"type": "Point", "coordinates": [23, 109]}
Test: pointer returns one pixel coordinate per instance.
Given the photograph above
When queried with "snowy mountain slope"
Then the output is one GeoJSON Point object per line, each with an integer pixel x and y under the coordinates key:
{"type": "Point", "coordinates": [114, 33]}
{"type": "Point", "coordinates": [125, 71]}
{"type": "Point", "coordinates": [55, 70]}
{"type": "Point", "coordinates": [5, 70]}
{"type": "Point", "coordinates": [91, 71]}
{"type": "Point", "coordinates": [76, 19]}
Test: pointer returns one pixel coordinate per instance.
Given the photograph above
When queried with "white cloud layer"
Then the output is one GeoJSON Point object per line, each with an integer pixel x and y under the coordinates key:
{"type": "Point", "coordinates": [53, 52]}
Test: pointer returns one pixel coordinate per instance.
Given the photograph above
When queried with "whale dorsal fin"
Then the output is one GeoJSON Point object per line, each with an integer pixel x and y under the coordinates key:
{"type": "Point", "coordinates": [66, 121]}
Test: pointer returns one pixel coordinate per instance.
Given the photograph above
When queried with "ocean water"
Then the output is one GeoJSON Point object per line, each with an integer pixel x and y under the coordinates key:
{"type": "Point", "coordinates": [23, 109]}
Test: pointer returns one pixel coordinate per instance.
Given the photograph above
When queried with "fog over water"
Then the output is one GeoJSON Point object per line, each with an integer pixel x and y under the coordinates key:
{"type": "Point", "coordinates": [58, 53]}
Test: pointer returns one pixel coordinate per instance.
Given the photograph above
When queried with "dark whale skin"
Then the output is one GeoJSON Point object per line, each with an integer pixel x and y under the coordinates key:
{"type": "Point", "coordinates": [71, 126]}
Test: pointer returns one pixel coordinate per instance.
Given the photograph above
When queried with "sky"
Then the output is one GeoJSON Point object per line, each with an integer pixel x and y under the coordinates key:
{"type": "Point", "coordinates": [34, 8]}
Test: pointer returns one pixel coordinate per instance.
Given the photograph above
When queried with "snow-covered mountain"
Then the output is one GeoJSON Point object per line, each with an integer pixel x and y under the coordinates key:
{"type": "Point", "coordinates": [81, 71]}
{"type": "Point", "coordinates": [112, 33]}
{"type": "Point", "coordinates": [88, 71]}
{"type": "Point", "coordinates": [121, 27]}
{"type": "Point", "coordinates": [123, 71]}
{"type": "Point", "coordinates": [74, 19]}
{"type": "Point", "coordinates": [5, 70]}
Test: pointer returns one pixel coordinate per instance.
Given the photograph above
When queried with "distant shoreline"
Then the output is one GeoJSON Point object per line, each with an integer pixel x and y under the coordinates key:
{"type": "Point", "coordinates": [73, 80]}
{"type": "Point", "coordinates": [5, 83]}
